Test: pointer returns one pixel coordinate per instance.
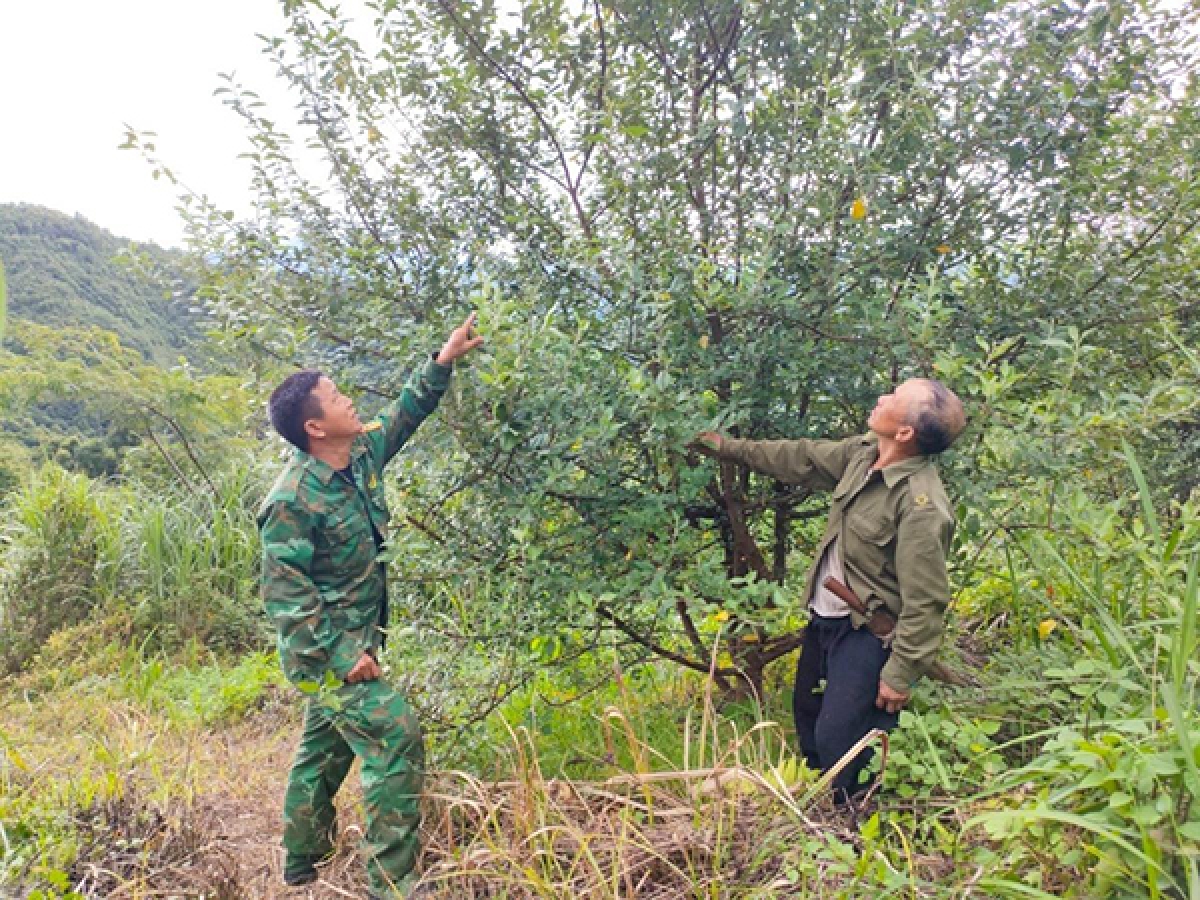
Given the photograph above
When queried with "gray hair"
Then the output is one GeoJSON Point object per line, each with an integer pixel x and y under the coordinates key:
{"type": "Point", "coordinates": [938, 419]}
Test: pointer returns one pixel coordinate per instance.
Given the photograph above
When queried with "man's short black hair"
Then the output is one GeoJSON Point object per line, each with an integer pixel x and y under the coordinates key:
{"type": "Point", "coordinates": [938, 420]}
{"type": "Point", "coordinates": [292, 404]}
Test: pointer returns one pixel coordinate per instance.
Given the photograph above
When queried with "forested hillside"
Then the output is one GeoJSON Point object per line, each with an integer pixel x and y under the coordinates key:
{"type": "Point", "coordinates": [91, 317]}
{"type": "Point", "coordinates": [65, 272]}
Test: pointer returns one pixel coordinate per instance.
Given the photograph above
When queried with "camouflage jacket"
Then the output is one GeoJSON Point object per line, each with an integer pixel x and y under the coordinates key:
{"type": "Point", "coordinates": [322, 583]}
{"type": "Point", "coordinates": [894, 527]}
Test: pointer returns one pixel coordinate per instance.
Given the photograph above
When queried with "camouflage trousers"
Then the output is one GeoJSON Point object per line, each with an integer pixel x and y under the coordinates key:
{"type": "Point", "coordinates": [372, 721]}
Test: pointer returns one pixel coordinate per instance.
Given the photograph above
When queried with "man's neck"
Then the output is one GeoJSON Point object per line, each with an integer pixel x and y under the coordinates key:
{"type": "Point", "coordinates": [336, 455]}
{"type": "Point", "coordinates": [891, 453]}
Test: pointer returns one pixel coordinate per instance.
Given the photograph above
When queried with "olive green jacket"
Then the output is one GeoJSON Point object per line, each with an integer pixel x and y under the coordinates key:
{"type": "Point", "coordinates": [894, 527]}
{"type": "Point", "coordinates": [322, 584]}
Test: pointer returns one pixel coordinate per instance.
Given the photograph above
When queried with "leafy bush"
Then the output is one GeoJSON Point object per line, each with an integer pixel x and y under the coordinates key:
{"type": "Point", "coordinates": [190, 567]}
{"type": "Point", "coordinates": [15, 465]}
{"type": "Point", "coordinates": [61, 560]}
{"type": "Point", "coordinates": [1079, 760]}
{"type": "Point", "coordinates": [177, 566]}
{"type": "Point", "coordinates": [1117, 785]}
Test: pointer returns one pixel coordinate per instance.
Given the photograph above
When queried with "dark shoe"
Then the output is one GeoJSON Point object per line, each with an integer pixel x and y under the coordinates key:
{"type": "Point", "coordinates": [300, 870]}
{"type": "Point", "coordinates": [297, 878]}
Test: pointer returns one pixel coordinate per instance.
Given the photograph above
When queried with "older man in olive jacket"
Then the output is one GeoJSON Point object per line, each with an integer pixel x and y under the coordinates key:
{"type": "Point", "coordinates": [888, 535]}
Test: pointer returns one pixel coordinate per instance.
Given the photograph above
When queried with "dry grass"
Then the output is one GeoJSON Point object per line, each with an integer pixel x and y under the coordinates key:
{"type": "Point", "coordinates": [194, 813]}
{"type": "Point", "coordinates": [554, 839]}
{"type": "Point", "coordinates": [569, 839]}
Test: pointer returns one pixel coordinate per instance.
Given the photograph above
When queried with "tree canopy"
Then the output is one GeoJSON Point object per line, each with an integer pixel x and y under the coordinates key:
{"type": "Point", "coordinates": [752, 216]}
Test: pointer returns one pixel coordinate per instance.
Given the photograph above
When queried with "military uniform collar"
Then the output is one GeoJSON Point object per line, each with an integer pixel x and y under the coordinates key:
{"type": "Point", "coordinates": [322, 469]}
{"type": "Point", "coordinates": [317, 467]}
{"type": "Point", "coordinates": [897, 472]}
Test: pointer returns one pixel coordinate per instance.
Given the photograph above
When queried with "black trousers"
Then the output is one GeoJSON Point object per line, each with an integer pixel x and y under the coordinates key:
{"type": "Point", "coordinates": [831, 722]}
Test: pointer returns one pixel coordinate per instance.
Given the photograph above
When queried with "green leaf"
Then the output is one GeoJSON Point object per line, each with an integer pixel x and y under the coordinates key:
{"type": "Point", "coordinates": [16, 759]}
{"type": "Point", "coordinates": [1003, 886]}
{"type": "Point", "coordinates": [1179, 724]}
{"type": "Point", "coordinates": [871, 828]}
{"type": "Point", "coordinates": [1148, 513]}
{"type": "Point", "coordinates": [934, 754]}
{"type": "Point", "coordinates": [1183, 643]}
{"type": "Point", "coordinates": [58, 879]}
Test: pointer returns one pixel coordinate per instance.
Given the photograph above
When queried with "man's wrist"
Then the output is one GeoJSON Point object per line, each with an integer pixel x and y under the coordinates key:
{"type": "Point", "coordinates": [896, 682]}
{"type": "Point", "coordinates": [726, 446]}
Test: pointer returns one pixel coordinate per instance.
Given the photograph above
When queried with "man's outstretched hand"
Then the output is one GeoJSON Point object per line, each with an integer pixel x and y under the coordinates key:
{"type": "Point", "coordinates": [706, 442]}
{"type": "Point", "coordinates": [462, 341]}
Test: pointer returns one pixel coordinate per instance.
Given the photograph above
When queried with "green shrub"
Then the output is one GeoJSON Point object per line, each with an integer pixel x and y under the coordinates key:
{"type": "Point", "coordinates": [60, 561]}
{"type": "Point", "coordinates": [15, 466]}
{"type": "Point", "coordinates": [177, 566]}
{"type": "Point", "coordinates": [191, 567]}
{"type": "Point", "coordinates": [1080, 759]}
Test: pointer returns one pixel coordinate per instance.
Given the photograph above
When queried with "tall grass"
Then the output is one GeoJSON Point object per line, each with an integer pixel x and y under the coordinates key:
{"type": "Point", "coordinates": [181, 565]}
{"type": "Point", "coordinates": [61, 560]}
{"type": "Point", "coordinates": [190, 566]}
{"type": "Point", "coordinates": [1113, 789]}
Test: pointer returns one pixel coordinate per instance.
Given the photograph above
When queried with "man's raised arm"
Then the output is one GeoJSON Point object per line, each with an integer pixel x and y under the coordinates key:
{"type": "Point", "coordinates": [421, 395]}
{"type": "Point", "coordinates": [817, 464]}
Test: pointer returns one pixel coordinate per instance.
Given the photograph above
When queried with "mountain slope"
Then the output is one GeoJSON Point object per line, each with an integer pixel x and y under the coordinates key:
{"type": "Point", "coordinates": [63, 271]}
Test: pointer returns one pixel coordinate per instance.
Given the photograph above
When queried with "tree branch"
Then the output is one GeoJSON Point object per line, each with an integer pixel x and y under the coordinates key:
{"type": "Point", "coordinates": [660, 650]}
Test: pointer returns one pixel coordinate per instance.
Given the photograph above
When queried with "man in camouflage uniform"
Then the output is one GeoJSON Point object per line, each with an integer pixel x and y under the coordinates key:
{"type": "Point", "coordinates": [888, 535]}
{"type": "Point", "coordinates": [323, 525]}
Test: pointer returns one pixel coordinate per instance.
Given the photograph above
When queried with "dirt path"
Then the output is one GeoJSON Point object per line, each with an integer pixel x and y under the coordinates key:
{"type": "Point", "coordinates": [240, 815]}
{"type": "Point", "coordinates": [162, 810]}
{"type": "Point", "coordinates": [170, 811]}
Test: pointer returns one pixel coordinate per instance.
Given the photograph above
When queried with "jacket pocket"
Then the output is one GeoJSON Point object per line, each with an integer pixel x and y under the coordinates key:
{"type": "Point", "coordinates": [868, 540]}
{"type": "Point", "coordinates": [353, 619]}
{"type": "Point", "coordinates": [873, 530]}
{"type": "Point", "coordinates": [350, 544]}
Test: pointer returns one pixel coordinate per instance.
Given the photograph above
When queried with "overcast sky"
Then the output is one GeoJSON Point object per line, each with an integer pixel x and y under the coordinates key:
{"type": "Point", "coordinates": [73, 71]}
